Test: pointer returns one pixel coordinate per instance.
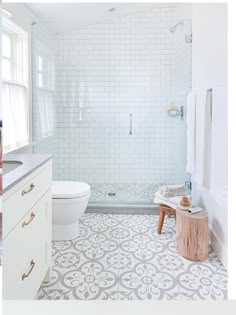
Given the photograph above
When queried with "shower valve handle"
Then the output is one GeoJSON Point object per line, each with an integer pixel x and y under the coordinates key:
{"type": "Point", "coordinates": [130, 124]}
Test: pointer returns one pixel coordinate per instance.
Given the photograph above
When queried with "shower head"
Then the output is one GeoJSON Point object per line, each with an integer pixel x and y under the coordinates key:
{"type": "Point", "coordinates": [173, 28]}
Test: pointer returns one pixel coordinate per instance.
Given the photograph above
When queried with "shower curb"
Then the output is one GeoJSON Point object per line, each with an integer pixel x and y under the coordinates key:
{"type": "Point", "coordinates": [123, 209]}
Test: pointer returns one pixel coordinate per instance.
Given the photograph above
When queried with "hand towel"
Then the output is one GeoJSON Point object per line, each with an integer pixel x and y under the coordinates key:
{"type": "Point", "coordinates": [219, 176]}
{"type": "Point", "coordinates": [191, 126]}
{"type": "Point", "coordinates": [203, 139]}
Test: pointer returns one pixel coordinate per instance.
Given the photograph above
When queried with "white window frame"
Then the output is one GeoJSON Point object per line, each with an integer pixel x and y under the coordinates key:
{"type": "Point", "coordinates": [7, 24]}
{"type": "Point", "coordinates": [42, 72]}
{"type": "Point", "coordinates": [48, 81]}
{"type": "Point", "coordinates": [11, 59]}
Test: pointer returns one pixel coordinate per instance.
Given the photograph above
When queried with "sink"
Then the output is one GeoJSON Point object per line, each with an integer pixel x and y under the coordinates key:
{"type": "Point", "coordinates": [8, 166]}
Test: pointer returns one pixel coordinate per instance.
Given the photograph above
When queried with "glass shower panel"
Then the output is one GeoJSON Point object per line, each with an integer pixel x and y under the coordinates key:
{"type": "Point", "coordinates": [43, 90]}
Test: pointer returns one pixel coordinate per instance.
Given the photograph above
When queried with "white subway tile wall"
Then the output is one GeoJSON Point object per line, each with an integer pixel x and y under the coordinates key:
{"type": "Point", "coordinates": [107, 71]}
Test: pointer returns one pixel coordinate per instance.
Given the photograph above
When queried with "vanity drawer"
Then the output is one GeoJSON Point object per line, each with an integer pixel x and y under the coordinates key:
{"type": "Point", "coordinates": [23, 277]}
{"type": "Point", "coordinates": [25, 248]}
{"type": "Point", "coordinates": [32, 226]}
{"type": "Point", "coordinates": [22, 200]}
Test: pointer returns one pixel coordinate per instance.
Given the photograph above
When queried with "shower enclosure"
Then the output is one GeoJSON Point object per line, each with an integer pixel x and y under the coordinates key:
{"type": "Point", "coordinates": [102, 107]}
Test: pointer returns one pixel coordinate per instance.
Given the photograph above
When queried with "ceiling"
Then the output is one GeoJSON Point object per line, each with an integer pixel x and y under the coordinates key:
{"type": "Point", "coordinates": [61, 17]}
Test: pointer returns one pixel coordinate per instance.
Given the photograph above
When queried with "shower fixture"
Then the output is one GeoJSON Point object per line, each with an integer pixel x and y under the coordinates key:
{"type": "Point", "coordinates": [173, 28]}
{"type": "Point", "coordinates": [188, 38]}
{"type": "Point", "coordinates": [175, 112]}
{"type": "Point", "coordinates": [130, 124]}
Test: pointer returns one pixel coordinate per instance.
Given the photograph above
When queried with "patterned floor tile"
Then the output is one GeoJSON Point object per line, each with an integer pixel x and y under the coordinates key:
{"type": "Point", "coordinates": [198, 280]}
{"type": "Point", "coordinates": [202, 283]}
{"type": "Point", "coordinates": [151, 280]}
{"type": "Point", "coordinates": [48, 289]}
{"type": "Point", "coordinates": [121, 257]}
{"type": "Point", "coordinates": [88, 282]}
{"type": "Point", "coordinates": [95, 246]}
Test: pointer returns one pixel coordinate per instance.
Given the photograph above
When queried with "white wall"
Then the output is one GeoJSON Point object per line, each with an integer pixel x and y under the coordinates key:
{"type": "Point", "coordinates": [209, 70]}
{"type": "Point", "coordinates": [111, 69]}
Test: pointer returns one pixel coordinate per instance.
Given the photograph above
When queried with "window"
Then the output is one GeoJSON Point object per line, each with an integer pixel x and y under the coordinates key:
{"type": "Point", "coordinates": [15, 91]}
{"type": "Point", "coordinates": [45, 70]}
{"type": "Point", "coordinates": [7, 56]}
{"type": "Point", "coordinates": [40, 72]}
{"type": "Point", "coordinates": [44, 96]}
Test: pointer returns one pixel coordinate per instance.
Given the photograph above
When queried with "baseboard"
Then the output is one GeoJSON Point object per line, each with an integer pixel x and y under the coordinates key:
{"type": "Point", "coordinates": [219, 248]}
{"type": "Point", "coordinates": [123, 209]}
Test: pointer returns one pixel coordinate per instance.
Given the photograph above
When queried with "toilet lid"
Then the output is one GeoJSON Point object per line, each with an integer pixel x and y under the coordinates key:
{"type": "Point", "coordinates": [69, 190]}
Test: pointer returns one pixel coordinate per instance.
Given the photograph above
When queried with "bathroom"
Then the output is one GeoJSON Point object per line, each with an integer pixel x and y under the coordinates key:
{"type": "Point", "coordinates": [103, 127]}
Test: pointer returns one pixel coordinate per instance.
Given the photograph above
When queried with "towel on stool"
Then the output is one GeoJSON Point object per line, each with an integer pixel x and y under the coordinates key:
{"type": "Point", "coordinates": [170, 202]}
{"type": "Point", "coordinates": [172, 190]}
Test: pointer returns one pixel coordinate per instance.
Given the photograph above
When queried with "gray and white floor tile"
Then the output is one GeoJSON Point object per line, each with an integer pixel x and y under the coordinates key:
{"type": "Point", "coordinates": [121, 257]}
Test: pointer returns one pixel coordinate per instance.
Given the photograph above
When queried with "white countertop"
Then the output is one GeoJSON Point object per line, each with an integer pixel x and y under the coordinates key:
{"type": "Point", "coordinates": [30, 162]}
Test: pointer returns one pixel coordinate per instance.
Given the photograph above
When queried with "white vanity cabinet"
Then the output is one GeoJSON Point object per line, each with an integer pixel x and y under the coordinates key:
{"type": "Point", "coordinates": [27, 224]}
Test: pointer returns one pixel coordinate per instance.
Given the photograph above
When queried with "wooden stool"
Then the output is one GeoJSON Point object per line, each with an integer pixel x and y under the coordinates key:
{"type": "Point", "coordinates": [192, 234]}
{"type": "Point", "coordinates": [163, 211]}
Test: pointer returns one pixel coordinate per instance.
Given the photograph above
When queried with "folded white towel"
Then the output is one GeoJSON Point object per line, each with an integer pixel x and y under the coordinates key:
{"type": "Point", "coordinates": [191, 132]}
{"type": "Point", "coordinates": [165, 202]}
{"type": "Point", "coordinates": [160, 196]}
{"type": "Point", "coordinates": [172, 202]}
{"type": "Point", "coordinates": [172, 190]}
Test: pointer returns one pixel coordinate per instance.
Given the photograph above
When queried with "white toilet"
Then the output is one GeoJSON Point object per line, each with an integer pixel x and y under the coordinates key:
{"type": "Point", "coordinates": [69, 202]}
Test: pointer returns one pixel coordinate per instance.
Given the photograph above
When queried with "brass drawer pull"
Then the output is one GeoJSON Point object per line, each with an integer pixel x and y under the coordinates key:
{"type": "Point", "coordinates": [25, 275]}
{"type": "Point", "coordinates": [29, 190]}
{"type": "Point", "coordinates": [32, 216]}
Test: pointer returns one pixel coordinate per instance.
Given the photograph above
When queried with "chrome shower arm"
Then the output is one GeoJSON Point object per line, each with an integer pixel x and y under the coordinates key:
{"type": "Point", "coordinates": [130, 124]}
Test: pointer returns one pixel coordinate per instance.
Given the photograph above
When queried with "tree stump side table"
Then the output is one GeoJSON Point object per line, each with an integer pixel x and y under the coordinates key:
{"type": "Point", "coordinates": [192, 234]}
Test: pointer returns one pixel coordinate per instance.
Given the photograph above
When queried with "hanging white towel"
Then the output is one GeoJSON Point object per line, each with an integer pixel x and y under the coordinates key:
{"type": "Point", "coordinates": [219, 176]}
{"type": "Point", "coordinates": [191, 125]}
{"type": "Point", "coordinates": [203, 139]}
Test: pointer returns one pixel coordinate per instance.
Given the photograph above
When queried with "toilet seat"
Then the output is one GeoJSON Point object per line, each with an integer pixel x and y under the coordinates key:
{"type": "Point", "coordinates": [69, 189]}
